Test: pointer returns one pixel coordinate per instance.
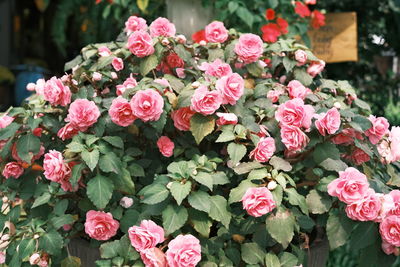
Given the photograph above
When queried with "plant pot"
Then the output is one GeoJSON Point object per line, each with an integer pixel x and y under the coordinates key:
{"type": "Point", "coordinates": [81, 248]}
{"type": "Point", "coordinates": [189, 16]}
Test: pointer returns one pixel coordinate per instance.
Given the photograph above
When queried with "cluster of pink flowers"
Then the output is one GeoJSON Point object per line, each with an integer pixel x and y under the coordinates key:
{"type": "Point", "coordinates": [57, 170]}
{"type": "Point", "coordinates": [100, 225]}
{"type": "Point", "coordinates": [258, 201]}
{"type": "Point", "coordinates": [364, 204]}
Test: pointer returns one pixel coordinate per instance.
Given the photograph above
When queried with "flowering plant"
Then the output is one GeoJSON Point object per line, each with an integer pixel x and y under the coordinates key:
{"type": "Point", "coordinates": [168, 153]}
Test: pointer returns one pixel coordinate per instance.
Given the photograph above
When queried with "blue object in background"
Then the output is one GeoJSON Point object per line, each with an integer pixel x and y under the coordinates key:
{"type": "Point", "coordinates": [25, 74]}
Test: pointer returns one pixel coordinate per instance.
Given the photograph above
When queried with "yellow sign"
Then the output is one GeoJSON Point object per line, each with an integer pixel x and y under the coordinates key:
{"type": "Point", "coordinates": [337, 40]}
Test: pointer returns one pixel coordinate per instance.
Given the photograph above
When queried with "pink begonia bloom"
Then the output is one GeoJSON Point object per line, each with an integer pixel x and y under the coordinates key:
{"type": "Point", "coordinates": [180, 72]}
{"type": "Point", "coordinates": [217, 68]}
{"type": "Point", "coordinates": [166, 146]}
{"type": "Point", "coordinates": [249, 48]}
{"type": "Point", "coordinates": [34, 259]}
{"type": "Point", "coordinates": [204, 101]}
{"type": "Point", "coordinates": [100, 225]}
{"type": "Point", "coordinates": [274, 94]}
{"type": "Point", "coordinates": [258, 201]}
{"type": "Point", "coordinates": [39, 88]}
{"type": "Point", "coordinates": [181, 118]}
{"type": "Point", "coordinates": [55, 168]}
{"type": "Point", "coordinates": [97, 76]}
{"type": "Point", "coordinates": [56, 92]}
{"type": "Point", "coordinates": [2, 257]}
{"type": "Point", "coordinates": [162, 81]}
{"type": "Point", "coordinates": [365, 209]}
{"type": "Point", "coordinates": [153, 257]}
{"type": "Point", "coordinates": [391, 204]}
{"type": "Point", "coordinates": [31, 87]}
{"type": "Point", "coordinates": [13, 169]}
{"type": "Point", "coordinates": [293, 138]}
{"type": "Point", "coordinates": [385, 152]}
{"type": "Point", "coordinates": [118, 64]}
{"type": "Point", "coordinates": [295, 113]}
{"type": "Point", "coordinates": [359, 156]}
{"type": "Point", "coordinates": [147, 105]}
{"type": "Point", "coordinates": [390, 249]}
{"type": "Point", "coordinates": [379, 128]}
{"type": "Point", "coordinates": [134, 24]}
{"type": "Point", "coordinates": [264, 150]}
{"type": "Point", "coordinates": [351, 186]}
{"type": "Point", "coordinates": [162, 27]}
{"type": "Point", "coordinates": [231, 88]}
{"type": "Point", "coordinates": [67, 227]}
{"type": "Point", "coordinates": [128, 83]}
{"type": "Point", "coordinates": [316, 67]}
{"type": "Point", "coordinates": [226, 118]}
{"type": "Point", "coordinates": [140, 44]}
{"type": "Point", "coordinates": [67, 132]}
{"type": "Point", "coordinates": [43, 263]}
{"type": "Point", "coordinates": [146, 236]}
{"type": "Point", "coordinates": [5, 120]}
{"type": "Point", "coordinates": [346, 137]}
{"type": "Point", "coordinates": [394, 137]}
{"type": "Point", "coordinates": [184, 251]}
{"type": "Point", "coordinates": [216, 32]}
{"type": "Point", "coordinates": [104, 51]}
{"type": "Point", "coordinates": [120, 112]}
{"type": "Point", "coordinates": [329, 122]}
{"type": "Point", "coordinates": [126, 202]}
{"type": "Point", "coordinates": [114, 75]}
{"type": "Point", "coordinates": [310, 2]}
{"type": "Point", "coordinates": [390, 230]}
{"type": "Point", "coordinates": [297, 90]}
{"type": "Point", "coordinates": [301, 57]}
{"type": "Point", "coordinates": [82, 114]}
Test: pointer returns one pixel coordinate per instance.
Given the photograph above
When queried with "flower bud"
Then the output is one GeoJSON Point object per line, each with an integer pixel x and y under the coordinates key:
{"type": "Point", "coordinates": [36, 236]}
{"type": "Point", "coordinates": [195, 84]}
{"type": "Point", "coordinates": [337, 105]}
{"type": "Point", "coordinates": [67, 227]}
{"type": "Point", "coordinates": [96, 76]}
{"type": "Point", "coordinates": [126, 202]}
{"type": "Point", "coordinates": [114, 75]}
{"type": "Point", "coordinates": [4, 199]}
{"type": "Point", "coordinates": [181, 39]}
{"type": "Point", "coordinates": [272, 185]}
{"type": "Point", "coordinates": [34, 259]}
{"type": "Point", "coordinates": [30, 87]}
{"type": "Point", "coordinates": [202, 43]}
{"type": "Point", "coordinates": [43, 263]}
{"type": "Point", "coordinates": [5, 237]}
{"type": "Point", "coordinates": [194, 172]}
{"type": "Point", "coordinates": [164, 42]}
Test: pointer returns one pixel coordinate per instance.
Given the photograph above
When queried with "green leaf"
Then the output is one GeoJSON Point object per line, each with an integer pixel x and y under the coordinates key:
{"type": "Point", "coordinates": [110, 163]}
{"type": "Point", "coordinates": [43, 199]}
{"type": "Point", "coordinates": [200, 200]}
{"type": "Point", "coordinates": [232, 6]}
{"type": "Point", "coordinates": [59, 221]}
{"type": "Point", "coordinates": [28, 146]}
{"type": "Point", "coordinates": [297, 199]}
{"type": "Point", "coordinates": [324, 151]}
{"type": "Point", "coordinates": [71, 261]}
{"type": "Point", "coordinates": [288, 260]}
{"type": "Point", "coordinates": [258, 174]}
{"type": "Point", "coordinates": [302, 76]}
{"type": "Point", "coordinates": [364, 235]}
{"type": "Point", "coordinates": [91, 158]}
{"type": "Point", "coordinates": [110, 249]}
{"type": "Point", "coordinates": [201, 223]}
{"type": "Point", "coordinates": [201, 126]}
{"type": "Point", "coordinates": [114, 140]}
{"type": "Point", "coordinates": [124, 183]}
{"type": "Point", "coordinates": [75, 147]}
{"type": "Point", "coordinates": [174, 217]}
{"type": "Point", "coordinates": [61, 207]}
{"type": "Point", "coordinates": [280, 164]}
{"type": "Point", "coordinates": [245, 15]}
{"type": "Point", "coordinates": [215, 53]}
{"type": "Point", "coordinates": [237, 193]}
{"type": "Point", "coordinates": [333, 165]}
{"type": "Point", "coordinates": [175, 83]}
{"type": "Point", "coordinates": [183, 53]}
{"type": "Point", "coordinates": [51, 242]}
{"type": "Point", "coordinates": [219, 210]}
{"type": "Point", "coordinates": [252, 253]}
{"type": "Point", "coordinates": [154, 193]}
{"type": "Point", "coordinates": [254, 69]}
{"type": "Point", "coordinates": [246, 167]}
{"type": "Point", "coordinates": [26, 247]}
{"type": "Point", "coordinates": [273, 3]}
{"type": "Point", "coordinates": [289, 64]}
{"type": "Point", "coordinates": [281, 226]}
{"type": "Point", "coordinates": [9, 131]}
{"type": "Point", "coordinates": [360, 123]}
{"type": "Point", "coordinates": [99, 190]}
{"type": "Point", "coordinates": [204, 179]}
{"type": "Point", "coordinates": [236, 152]}
{"type": "Point", "coordinates": [220, 178]}
{"type": "Point", "coordinates": [337, 230]}
{"type": "Point", "coordinates": [180, 191]}
{"type": "Point", "coordinates": [130, 218]}
{"type": "Point", "coordinates": [148, 64]}
{"type": "Point", "coordinates": [225, 136]}
{"type": "Point", "coordinates": [76, 173]}
{"type": "Point", "coordinates": [271, 260]}
{"type": "Point", "coordinates": [317, 204]}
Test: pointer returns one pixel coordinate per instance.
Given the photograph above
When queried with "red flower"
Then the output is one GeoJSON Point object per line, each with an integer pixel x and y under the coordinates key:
{"type": "Point", "coordinates": [270, 14]}
{"type": "Point", "coordinates": [174, 61]}
{"type": "Point", "coordinates": [283, 25]}
{"type": "Point", "coordinates": [318, 19]}
{"type": "Point", "coordinates": [271, 32]}
{"type": "Point", "coordinates": [199, 36]}
{"type": "Point", "coordinates": [302, 10]}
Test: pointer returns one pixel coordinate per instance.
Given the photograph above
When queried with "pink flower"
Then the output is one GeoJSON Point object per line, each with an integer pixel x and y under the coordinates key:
{"type": "Point", "coordinates": [380, 127]}
{"type": "Point", "coordinates": [147, 105]}
{"type": "Point", "coordinates": [134, 24]}
{"type": "Point", "coordinates": [346, 137]}
{"type": "Point", "coordinates": [13, 169]}
{"type": "Point", "coordinates": [40, 84]}
{"type": "Point", "coordinates": [394, 137]}
{"type": "Point", "coordinates": [359, 156]}
{"type": "Point", "coordinates": [162, 27]}
{"type": "Point", "coordinates": [104, 51]}
{"type": "Point", "coordinates": [140, 44]}
{"type": "Point", "coordinates": [391, 203]}
{"type": "Point", "coordinates": [316, 67]}
{"type": "Point", "coordinates": [180, 72]}
{"type": "Point", "coordinates": [31, 87]}
{"type": "Point", "coordinates": [55, 168]}
{"type": "Point", "coordinates": [293, 138]}
{"type": "Point", "coordinates": [56, 92]}
{"type": "Point", "coordinates": [328, 123]}
{"type": "Point", "coordinates": [351, 186]}
{"type": "Point", "coordinates": [146, 236]}
{"type": "Point", "coordinates": [226, 118]}
{"type": "Point", "coordinates": [97, 76]}
{"type": "Point", "coordinates": [231, 88]}
{"type": "Point", "coordinates": [274, 94]}
{"type": "Point", "coordinates": [121, 112]}
{"type": "Point", "coordinates": [217, 68]}
{"type": "Point", "coordinates": [100, 225]}
{"type": "Point", "coordinates": [126, 202]}
{"type": "Point", "coordinates": [390, 249]}
{"type": "Point", "coordinates": [2, 257]}
{"type": "Point", "coordinates": [184, 251]}
{"type": "Point", "coordinates": [164, 82]}
{"type": "Point", "coordinates": [118, 63]}
{"type": "Point", "coordinates": [34, 259]}
{"type": "Point", "coordinates": [67, 132]}
{"type": "Point", "coordinates": [82, 114]}
{"type": "Point", "coordinates": [295, 113]}
{"type": "Point", "coordinates": [365, 209]}
{"type": "Point", "coordinates": [216, 32]}
{"type": "Point", "coordinates": [128, 83]}
{"type": "Point", "coordinates": [301, 57]}
{"type": "Point", "coordinates": [153, 257]}
{"type": "Point", "coordinates": [204, 101]}
{"type": "Point", "coordinates": [181, 118]}
{"type": "Point", "coordinates": [297, 90]}
{"type": "Point", "coordinates": [5, 121]}
{"type": "Point", "coordinates": [249, 48]}
{"type": "Point", "coordinates": [385, 152]}
{"type": "Point", "coordinates": [390, 230]}
{"type": "Point", "coordinates": [258, 201]}
{"type": "Point", "coordinates": [166, 146]}
{"type": "Point", "coordinates": [264, 150]}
